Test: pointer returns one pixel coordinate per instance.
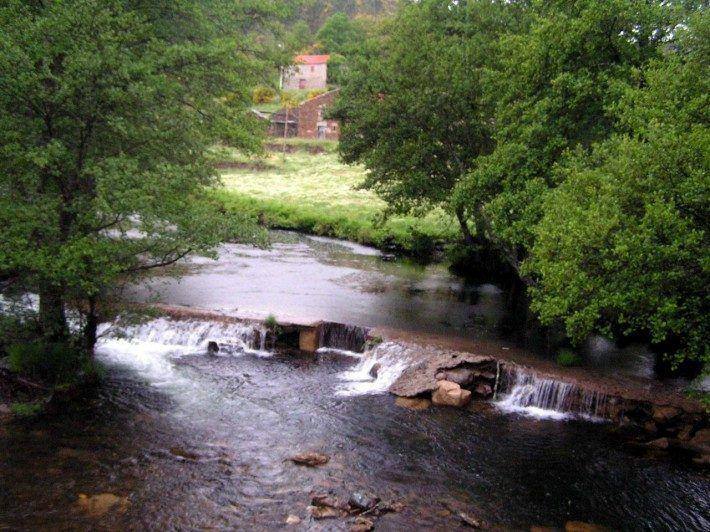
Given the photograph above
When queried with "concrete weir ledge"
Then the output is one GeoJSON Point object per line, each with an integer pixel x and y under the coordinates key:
{"type": "Point", "coordinates": [664, 416]}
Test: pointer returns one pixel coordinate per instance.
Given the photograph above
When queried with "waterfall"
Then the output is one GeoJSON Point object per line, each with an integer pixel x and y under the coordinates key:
{"type": "Point", "coordinates": [376, 371]}
{"type": "Point", "coordinates": [191, 335]}
{"type": "Point", "coordinates": [343, 337]}
{"type": "Point", "coordinates": [531, 394]}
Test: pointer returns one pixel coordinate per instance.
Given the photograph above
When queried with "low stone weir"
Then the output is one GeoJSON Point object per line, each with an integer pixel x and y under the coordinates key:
{"type": "Point", "coordinates": [344, 337]}
{"type": "Point", "coordinates": [523, 391]}
{"type": "Point", "coordinates": [193, 334]}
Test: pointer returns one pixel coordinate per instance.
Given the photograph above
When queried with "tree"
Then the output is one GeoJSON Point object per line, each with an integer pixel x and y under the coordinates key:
{"type": "Point", "coordinates": [411, 103]}
{"type": "Point", "coordinates": [108, 110]}
{"type": "Point", "coordinates": [622, 247]}
{"type": "Point", "coordinates": [554, 87]}
{"type": "Point", "coordinates": [339, 34]}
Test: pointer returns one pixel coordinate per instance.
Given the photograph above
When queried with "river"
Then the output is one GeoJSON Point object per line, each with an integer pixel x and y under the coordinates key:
{"type": "Point", "coordinates": [191, 441]}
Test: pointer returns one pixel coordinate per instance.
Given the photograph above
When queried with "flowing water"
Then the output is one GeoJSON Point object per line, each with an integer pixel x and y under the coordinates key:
{"type": "Point", "coordinates": [190, 440]}
{"type": "Point", "coordinates": [196, 441]}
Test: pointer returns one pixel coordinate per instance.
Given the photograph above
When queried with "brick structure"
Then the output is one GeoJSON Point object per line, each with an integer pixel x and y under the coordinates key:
{"type": "Point", "coordinates": [309, 72]}
{"type": "Point", "coordinates": [307, 120]}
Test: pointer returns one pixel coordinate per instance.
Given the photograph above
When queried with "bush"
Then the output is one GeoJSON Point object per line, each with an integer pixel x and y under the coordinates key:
{"type": "Point", "coordinates": [26, 410]}
{"type": "Point", "coordinates": [315, 92]}
{"type": "Point", "coordinates": [263, 94]}
{"type": "Point", "coordinates": [568, 358]}
{"type": "Point", "coordinates": [53, 363]}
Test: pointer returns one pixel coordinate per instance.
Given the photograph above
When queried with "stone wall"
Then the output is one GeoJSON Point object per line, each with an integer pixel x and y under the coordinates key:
{"type": "Point", "coordinates": [312, 123]}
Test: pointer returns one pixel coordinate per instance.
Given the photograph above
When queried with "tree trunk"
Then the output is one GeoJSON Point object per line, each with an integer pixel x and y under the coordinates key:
{"type": "Point", "coordinates": [465, 230]}
{"type": "Point", "coordinates": [90, 329]}
{"type": "Point", "coordinates": [53, 319]}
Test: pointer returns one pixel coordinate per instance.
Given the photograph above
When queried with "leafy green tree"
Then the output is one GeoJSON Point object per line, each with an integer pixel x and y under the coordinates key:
{"type": "Point", "coordinates": [622, 247]}
{"type": "Point", "coordinates": [554, 88]}
{"type": "Point", "coordinates": [339, 34]}
{"type": "Point", "coordinates": [412, 102]}
{"type": "Point", "coordinates": [108, 109]}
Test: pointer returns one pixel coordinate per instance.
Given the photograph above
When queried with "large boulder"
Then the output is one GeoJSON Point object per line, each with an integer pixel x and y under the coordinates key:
{"type": "Point", "coordinates": [461, 376]}
{"type": "Point", "coordinates": [450, 394]}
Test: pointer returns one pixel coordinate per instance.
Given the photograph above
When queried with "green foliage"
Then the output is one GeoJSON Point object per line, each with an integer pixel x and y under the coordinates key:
{"type": "Point", "coordinates": [271, 323]}
{"type": "Point", "coordinates": [411, 101]}
{"type": "Point", "coordinates": [26, 410]}
{"type": "Point", "coordinates": [104, 131]}
{"type": "Point", "coordinates": [623, 244]}
{"type": "Point", "coordinates": [263, 94]}
{"type": "Point", "coordinates": [54, 363]}
{"type": "Point", "coordinates": [339, 34]}
{"type": "Point", "coordinates": [568, 358]}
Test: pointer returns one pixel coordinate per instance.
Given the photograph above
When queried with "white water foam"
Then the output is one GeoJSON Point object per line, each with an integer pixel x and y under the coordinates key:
{"type": "Point", "coordinates": [152, 348]}
{"type": "Point", "coordinates": [550, 399]}
{"type": "Point", "coordinates": [392, 359]}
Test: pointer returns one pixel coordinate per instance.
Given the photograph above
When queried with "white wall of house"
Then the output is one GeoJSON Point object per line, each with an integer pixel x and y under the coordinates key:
{"type": "Point", "coordinates": [306, 77]}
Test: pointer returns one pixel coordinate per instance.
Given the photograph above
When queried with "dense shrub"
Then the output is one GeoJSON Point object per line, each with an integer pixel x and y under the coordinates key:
{"type": "Point", "coordinates": [54, 363]}
{"type": "Point", "coordinates": [263, 94]}
{"type": "Point", "coordinates": [568, 358]}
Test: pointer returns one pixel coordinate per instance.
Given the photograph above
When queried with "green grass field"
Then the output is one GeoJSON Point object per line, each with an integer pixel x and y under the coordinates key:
{"type": "Point", "coordinates": [317, 194]}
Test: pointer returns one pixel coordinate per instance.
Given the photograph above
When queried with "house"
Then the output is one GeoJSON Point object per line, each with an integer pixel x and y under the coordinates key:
{"type": "Point", "coordinates": [308, 120]}
{"type": "Point", "coordinates": [309, 72]}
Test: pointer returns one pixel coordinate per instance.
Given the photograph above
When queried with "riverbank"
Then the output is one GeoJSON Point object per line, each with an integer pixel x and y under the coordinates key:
{"type": "Point", "coordinates": [309, 190]}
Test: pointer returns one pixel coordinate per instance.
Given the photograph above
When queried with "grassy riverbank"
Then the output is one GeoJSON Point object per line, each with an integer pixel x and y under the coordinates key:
{"type": "Point", "coordinates": [317, 194]}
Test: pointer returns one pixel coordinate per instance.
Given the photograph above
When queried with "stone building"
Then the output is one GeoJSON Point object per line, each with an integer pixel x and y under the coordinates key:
{"type": "Point", "coordinates": [308, 120]}
{"type": "Point", "coordinates": [309, 72]}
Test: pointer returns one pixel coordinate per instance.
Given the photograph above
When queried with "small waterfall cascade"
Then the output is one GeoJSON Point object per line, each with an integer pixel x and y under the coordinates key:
{"type": "Point", "coordinates": [376, 371]}
{"type": "Point", "coordinates": [343, 337]}
{"type": "Point", "coordinates": [192, 335]}
{"type": "Point", "coordinates": [543, 397]}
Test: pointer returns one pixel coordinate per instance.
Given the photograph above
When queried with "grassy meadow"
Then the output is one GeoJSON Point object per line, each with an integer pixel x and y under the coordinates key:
{"type": "Point", "coordinates": [317, 194]}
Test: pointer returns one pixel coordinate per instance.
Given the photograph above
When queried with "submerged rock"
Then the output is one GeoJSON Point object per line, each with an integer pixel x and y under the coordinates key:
{"type": "Point", "coordinates": [293, 519]}
{"type": "Point", "coordinates": [413, 403]}
{"type": "Point", "coordinates": [362, 501]}
{"type": "Point", "coordinates": [99, 505]}
{"type": "Point", "coordinates": [375, 369]}
{"type": "Point", "coordinates": [310, 459]}
{"type": "Point", "coordinates": [362, 524]}
{"type": "Point", "coordinates": [450, 394]}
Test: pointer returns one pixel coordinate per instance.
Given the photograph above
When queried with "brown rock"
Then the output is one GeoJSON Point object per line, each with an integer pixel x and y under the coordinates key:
{"type": "Point", "coordinates": [701, 439]}
{"type": "Point", "coordinates": [310, 459]}
{"type": "Point", "coordinates": [413, 403]}
{"type": "Point", "coordinates": [324, 512]}
{"type": "Point", "coordinates": [375, 370]}
{"type": "Point", "coordinates": [663, 414]}
{"type": "Point", "coordinates": [293, 519]}
{"type": "Point", "coordinates": [309, 339]}
{"type": "Point", "coordinates": [650, 427]}
{"type": "Point", "coordinates": [362, 524]}
{"type": "Point", "coordinates": [450, 394]}
{"type": "Point", "coordinates": [484, 390]}
{"type": "Point", "coordinates": [99, 505]}
{"type": "Point", "coordinates": [461, 376]}
{"type": "Point", "coordinates": [579, 526]}
{"type": "Point", "coordinates": [469, 520]}
{"type": "Point", "coordinates": [685, 432]}
{"type": "Point", "coordinates": [660, 443]}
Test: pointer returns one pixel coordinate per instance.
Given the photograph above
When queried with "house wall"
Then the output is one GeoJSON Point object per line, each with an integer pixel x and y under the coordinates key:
{"type": "Point", "coordinates": [311, 116]}
{"type": "Point", "coordinates": [306, 77]}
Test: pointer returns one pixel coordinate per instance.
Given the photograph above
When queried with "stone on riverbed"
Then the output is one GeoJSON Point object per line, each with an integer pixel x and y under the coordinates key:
{"type": "Point", "coordinates": [99, 505]}
{"type": "Point", "coordinates": [413, 403]}
{"type": "Point", "coordinates": [450, 394]}
{"type": "Point", "coordinates": [310, 459]}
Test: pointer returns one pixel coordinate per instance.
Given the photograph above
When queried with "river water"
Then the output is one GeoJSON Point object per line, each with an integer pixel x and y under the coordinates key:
{"type": "Point", "coordinates": [191, 441]}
